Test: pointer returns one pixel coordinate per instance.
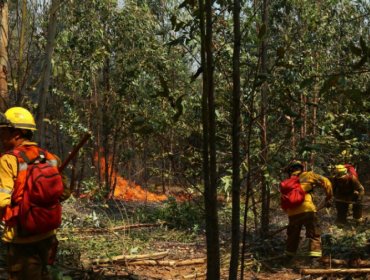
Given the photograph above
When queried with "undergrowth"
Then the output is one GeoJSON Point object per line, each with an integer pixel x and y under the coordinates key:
{"type": "Point", "coordinates": [177, 222]}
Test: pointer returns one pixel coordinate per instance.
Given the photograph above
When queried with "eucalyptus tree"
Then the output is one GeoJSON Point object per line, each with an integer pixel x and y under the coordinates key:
{"type": "Point", "coordinates": [4, 97]}
{"type": "Point", "coordinates": [27, 22]}
{"type": "Point", "coordinates": [316, 71]}
{"type": "Point", "coordinates": [46, 73]}
{"type": "Point", "coordinates": [209, 141]}
{"type": "Point", "coordinates": [235, 241]}
{"type": "Point", "coordinates": [265, 190]}
{"type": "Point", "coordinates": [113, 60]}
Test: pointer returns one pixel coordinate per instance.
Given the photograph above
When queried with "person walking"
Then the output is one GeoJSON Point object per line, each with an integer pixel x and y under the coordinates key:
{"type": "Point", "coordinates": [347, 191]}
{"type": "Point", "coordinates": [28, 254]}
{"type": "Point", "coordinates": [304, 214]}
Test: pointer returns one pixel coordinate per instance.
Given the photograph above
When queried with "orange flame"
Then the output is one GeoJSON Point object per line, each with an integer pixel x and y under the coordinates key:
{"type": "Point", "coordinates": [128, 190]}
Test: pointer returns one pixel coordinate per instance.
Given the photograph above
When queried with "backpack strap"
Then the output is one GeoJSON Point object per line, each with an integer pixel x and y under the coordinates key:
{"type": "Point", "coordinates": [24, 157]}
{"type": "Point", "coordinates": [41, 158]}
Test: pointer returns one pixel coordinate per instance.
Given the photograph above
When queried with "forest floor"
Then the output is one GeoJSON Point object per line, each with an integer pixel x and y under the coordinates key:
{"type": "Point", "coordinates": [149, 251]}
{"type": "Point", "coordinates": [106, 242]}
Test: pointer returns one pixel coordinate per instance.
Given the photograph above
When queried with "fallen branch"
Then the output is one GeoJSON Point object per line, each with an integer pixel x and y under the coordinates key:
{"type": "Point", "coordinates": [192, 261]}
{"type": "Point", "coordinates": [137, 226]}
{"type": "Point", "coordinates": [169, 262]}
{"type": "Point", "coordinates": [316, 271]}
{"type": "Point", "coordinates": [125, 227]}
{"type": "Point", "coordinates": [126, 258]}
{"type": "Point", "coordinates": [153, 263]}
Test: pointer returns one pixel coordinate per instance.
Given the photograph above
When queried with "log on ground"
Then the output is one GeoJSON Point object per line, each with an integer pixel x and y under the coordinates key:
{"type": "Point", "coordinates": [317, 271]}
{"type": "Point", "coordinates": [169, 262]}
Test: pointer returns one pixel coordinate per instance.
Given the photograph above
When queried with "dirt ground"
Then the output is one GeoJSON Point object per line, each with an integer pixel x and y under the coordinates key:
{"type": "Point", "coordinates": [255, 268]}
{"type": "Point", "coordinates": [180, 253]}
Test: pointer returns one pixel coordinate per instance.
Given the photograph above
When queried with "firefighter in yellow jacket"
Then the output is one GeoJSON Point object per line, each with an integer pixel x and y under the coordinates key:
{"type": "Point", "coordinates": [27, 256]}
{"type": "Point", "coordinates": [305, 214]}
{"type": "Point", "coordinates": [347, 191]}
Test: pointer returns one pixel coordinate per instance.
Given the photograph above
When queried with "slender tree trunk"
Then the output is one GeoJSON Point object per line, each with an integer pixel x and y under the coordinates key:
{"type": "Point", "coordinates": [213, 251]}
{"type": "Point", "coordinates": [209, 148]}
{"type": "Point", "coordinates": [43, 93]}
{"type": "Point", "coordinates": [248, 192]}
{"type": "Point", "coordinates": [292, 132]}
{"type": "Point", "coordinates": [21, 49]}
{"type": "Point", "coordinates": [235, 221]}
{"type": "Point", "coordinates": [4, 95]}
{"type": "Point", "coordinates": [314, 124]}
{"type": "Point", "coordinates": [264, 144]}
{"type": "Point", "coordinates": [96, 119]}
{"type": "Point", "coordinates": [108, 138]}
{"type": "Point", "coordinates": [107, 163]}
{"type": "Point", "coordinates": [303, 116]}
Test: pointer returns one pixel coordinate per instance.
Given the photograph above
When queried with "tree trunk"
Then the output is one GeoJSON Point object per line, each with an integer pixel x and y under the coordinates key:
{"type": "Point", "coordinates": [314, 124]}
{"type": "Point", "coordinates": [44, 90]}
{"type": "Point", "coordinates": [4, 95]}
{"type": "Point", "coordinates": [235, 231]}
{"type": "Point", "coordinates": [293, 139]}
{"type": "Point", "coordinates": [264, 146]}
{"type": "Point", "coordinates": [303, 115]}
{"type": "Point", "coordinates": [249, 185]}
{"type": "Point", "coordinates": [20, 78]}
{"type": "Point", "coordinates": [209, 148]}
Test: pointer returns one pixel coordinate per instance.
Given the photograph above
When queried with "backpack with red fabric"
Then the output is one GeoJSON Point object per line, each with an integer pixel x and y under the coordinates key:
{"type": "Point", "coordinates": [35, 203]}
{"type": "Point", "coordinates": [292, 194]}
{"type": "Point", "coordinates": [351, 170]}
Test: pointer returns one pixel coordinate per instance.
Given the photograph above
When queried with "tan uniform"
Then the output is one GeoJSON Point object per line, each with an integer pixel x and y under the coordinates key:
{"type": "Point", "coordinates": [348, 190]}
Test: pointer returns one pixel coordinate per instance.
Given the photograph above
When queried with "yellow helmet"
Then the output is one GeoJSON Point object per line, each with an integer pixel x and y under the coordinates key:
{"type": "Point", "coordinates": [340, 170]}
{"type": "Point", "coordinates": [18, 117]}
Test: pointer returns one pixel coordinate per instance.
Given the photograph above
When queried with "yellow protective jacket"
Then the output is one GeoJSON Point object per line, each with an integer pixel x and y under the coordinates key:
{"type": "Point", "coordinates": [309, 181]}
{"type": "Point", "coordinates": [8, 176]}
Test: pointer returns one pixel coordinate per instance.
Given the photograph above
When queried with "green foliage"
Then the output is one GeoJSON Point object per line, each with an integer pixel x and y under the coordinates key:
{"type": "Point", "coordinates": [347, 244]}
{"type": "Point", "coordinates": [226, 186]}
{"type": "Point", "coordinates": [181, 215]}
{"type": "Point", "coordinates": [92, 188]}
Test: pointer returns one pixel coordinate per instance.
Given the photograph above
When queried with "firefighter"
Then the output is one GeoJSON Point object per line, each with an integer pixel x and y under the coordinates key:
{"type": "Point", "coordinates": [27, 255]}
{"type": "Point", "coordinates": [347, 191]}
{"type": "Point", "coordinates": [305, 214]}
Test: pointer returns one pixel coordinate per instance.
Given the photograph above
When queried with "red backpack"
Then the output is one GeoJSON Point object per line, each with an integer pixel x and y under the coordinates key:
{"type": "Point", "coordinates": [292, 194]}
{"type": "Point", "coordinates": [35, 207]}
{"type": "Point", "coordinates": [351, 170]}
